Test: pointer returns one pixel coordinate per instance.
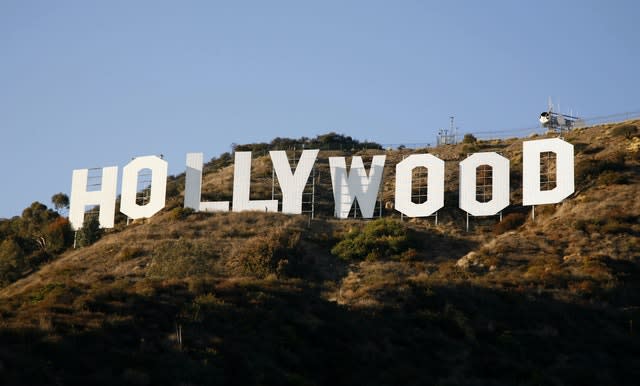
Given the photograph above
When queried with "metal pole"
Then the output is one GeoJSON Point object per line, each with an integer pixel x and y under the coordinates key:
{"type": "Point", "coordinates": [380, 193]}
{"type": "Point", "coordinates": [467, 221]}
{"type": "Point", "coordinates": [402, 214]}
{"type": "Point", "coordinates": [273, 182]}
{"type": "Point", "coordinates": [313, 193]}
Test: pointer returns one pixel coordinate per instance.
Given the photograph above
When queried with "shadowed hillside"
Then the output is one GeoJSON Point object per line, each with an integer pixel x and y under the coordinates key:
{"type": "Point", "coordinates": [259, 298]}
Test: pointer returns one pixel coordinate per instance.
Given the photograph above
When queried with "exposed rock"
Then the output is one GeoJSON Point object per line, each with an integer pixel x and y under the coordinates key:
{"type": "Point", "coordinates": [634, 146]}
{"type": "Point", "coordinates": [573, 257]}
{"type": "Point", "coordinates": [470, 261]}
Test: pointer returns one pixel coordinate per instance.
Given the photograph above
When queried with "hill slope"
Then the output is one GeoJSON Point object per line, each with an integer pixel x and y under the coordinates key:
{"type": "Point", "coordinates": [259, 298]}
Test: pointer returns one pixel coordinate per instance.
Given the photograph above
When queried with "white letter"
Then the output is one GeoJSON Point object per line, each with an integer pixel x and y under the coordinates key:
{"type": "Point", "coordinates": [499, 184]}
{"type": "Point", "coordinates": [193, 188]}
{"type": "Point", "coordinates": [292, 185]}
{"type": "Point", "coordinates": [435, 183]}
{"type": "Point", "coordinates": [531, 193]}
{"type": "Point", "coordinates": [157, 195]}
{"type": "Point", "coordinates": [106, 197]}
{"type": "Point", "coordinates": [241, 185]}
{"type": "Point", "coordinates": [358, 186]}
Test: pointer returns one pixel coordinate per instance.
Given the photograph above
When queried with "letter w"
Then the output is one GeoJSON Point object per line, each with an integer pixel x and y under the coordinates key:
{"type": "Point", "coordinates": [348, 187]}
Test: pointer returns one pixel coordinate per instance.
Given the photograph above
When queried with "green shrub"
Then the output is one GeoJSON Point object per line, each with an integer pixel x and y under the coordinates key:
{"type": "Point", "coordinates": [382, 238]}
{"type": "Point", "coordinates": [180, 213]}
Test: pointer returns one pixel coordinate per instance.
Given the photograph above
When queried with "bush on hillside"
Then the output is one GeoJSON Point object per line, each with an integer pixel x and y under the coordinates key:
{"type": "Point", "coordinates": [12, 261]}
{"type": "Point", "coordinates": [610, 177]}
{"type": "Point", "coordinates": [276, 252]}
{"type": "Point", "coordinates": [180, 213]}
{"type": "Point", "coordinates": [624, 130]}
{"type": "Point", "coordinates": [593, 149]}
{"type": "Point", "coordinates": [175, 185]}
{"type": "Point", "coordinates": [509, 222]}
{"type": "Point", "coordinates": [591, 168]}
{"type": "Point", "coordinates": [469, 138]}
{"type": "Point", "coordinates": [225, 159]}
{"type": "Point", "coordinates": [381, 238]}
{"type": "Point", "coordinates": [616, 222]}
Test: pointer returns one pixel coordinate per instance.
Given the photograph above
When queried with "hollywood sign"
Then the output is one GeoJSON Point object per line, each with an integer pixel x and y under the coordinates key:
{"type": "Point", "coordinates": [348, 186]}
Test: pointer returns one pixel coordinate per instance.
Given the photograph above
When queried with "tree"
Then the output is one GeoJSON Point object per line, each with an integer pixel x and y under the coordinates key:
{"type": "Point", "coordinates": [60, 201]}
{"type": "Point", "coordinates": [38, 235]}
{"type": "Point", "coordinates": [90, 232]}
{"type": "Point", "coordinates": [58, 234]}
{"type": "Point", "coordinates": [33, 224]}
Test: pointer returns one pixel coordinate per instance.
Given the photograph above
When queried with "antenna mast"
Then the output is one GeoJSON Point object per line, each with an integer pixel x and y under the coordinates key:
{"type": "Point", "coordinates": [453, 131]}
{"type": "Point", "coordinates": [447, 136]}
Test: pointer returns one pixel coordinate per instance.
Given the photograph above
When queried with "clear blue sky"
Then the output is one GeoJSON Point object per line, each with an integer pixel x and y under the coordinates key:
{"type": "Point", "coordinates": [88, 83]}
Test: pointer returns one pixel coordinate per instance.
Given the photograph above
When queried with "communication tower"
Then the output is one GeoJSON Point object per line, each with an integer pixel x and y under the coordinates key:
{"type": "Point", "coordinates": [558, 123]}
{"type": "Point", "coordinates": [447, 136]}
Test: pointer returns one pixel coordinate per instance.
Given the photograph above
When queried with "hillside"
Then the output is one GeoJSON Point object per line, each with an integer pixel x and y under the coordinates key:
{"type": "Point", "coordinates": [271, 299]}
